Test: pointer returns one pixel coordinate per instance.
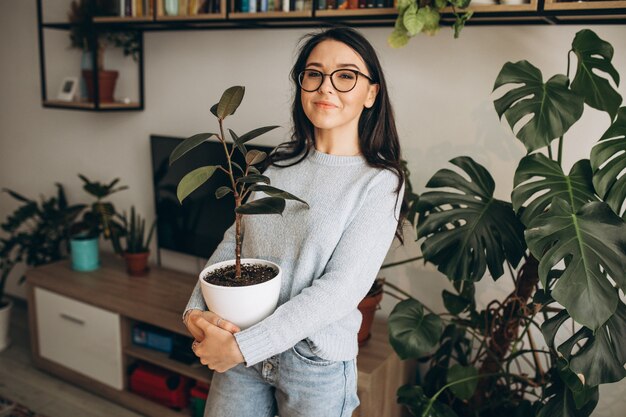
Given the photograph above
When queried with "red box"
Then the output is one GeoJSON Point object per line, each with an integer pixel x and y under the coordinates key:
{"type": "Point", "coordinates": [158, 384]}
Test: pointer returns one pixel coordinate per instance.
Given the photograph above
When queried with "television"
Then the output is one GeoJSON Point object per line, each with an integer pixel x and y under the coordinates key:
{"type": "Point", "coordinates": [197, 226]}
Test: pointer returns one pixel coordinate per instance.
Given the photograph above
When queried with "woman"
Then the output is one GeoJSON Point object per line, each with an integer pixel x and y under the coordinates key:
{"type": "Point", "coordinates": [344, 160]}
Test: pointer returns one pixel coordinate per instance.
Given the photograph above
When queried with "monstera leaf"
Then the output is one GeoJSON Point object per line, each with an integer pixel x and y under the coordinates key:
{"type": "Point", "coordinates": [468, 231]}
{"type": "Point", "coordinates": [554, 108]}
{"type": "Point", "coordinates": [595, 55]}
{"type": "Point", "coordinates": [411, 333]}
{"type": "Point", "coordinates": [413, 397]}
{"type": "Point", "coordinates": [566, 395]}
{"type": "Point", "coordinates": [592, 242]}
{"type": "Point", "coordinates": [608, 160]}
{"type": "Point", "coordinates": [539, 176]}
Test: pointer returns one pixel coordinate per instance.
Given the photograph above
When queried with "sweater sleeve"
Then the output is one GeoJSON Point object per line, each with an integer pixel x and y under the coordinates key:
{"type": "Point", "coordinates": [224, 251]}
{"type": "Point", "coordinates": [347, 278]}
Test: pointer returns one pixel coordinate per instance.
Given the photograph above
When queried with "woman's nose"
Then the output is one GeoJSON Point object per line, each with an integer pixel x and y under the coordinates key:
{"type": "Point", "coordinates": [326, 86]}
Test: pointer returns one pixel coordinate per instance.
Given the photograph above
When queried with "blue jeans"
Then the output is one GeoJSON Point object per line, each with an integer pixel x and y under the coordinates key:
{"type": "Point", "coordinates": [295, 383]}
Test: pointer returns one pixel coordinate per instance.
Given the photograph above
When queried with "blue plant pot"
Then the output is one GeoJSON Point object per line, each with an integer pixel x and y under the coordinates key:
{"type": "Point", "coordinates": [85, 255]}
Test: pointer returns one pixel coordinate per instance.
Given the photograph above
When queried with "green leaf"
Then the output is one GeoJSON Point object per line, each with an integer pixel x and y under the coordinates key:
{"type": "Point", "coordinates": [608, 160]}
{"type": "Point", "coordinates": [231, 99]}
{"type": "Point", "coordinates": [214, 109]}
{"type": "Point", "coordinates": [539, 179]}
{"type": "Point", "coordinates": [403, 5]}
{"type": "Point", "coordinates": [252, 179]}
{"type": "Point", "coordinates": [411, 22]}
{"type": "Point", "coordinates": [222, 191]}
{"type": "Point", "coordinates": [275, 192]}
{"type": "Point", "coordinates": [554, 108]}
{"type": "Point", "coordinates": [193, 180]}
{"type": "Point", "coordinates": [468, 230]}
{"type": "Point", "coordinates": [455, 304]}
{"type": "Point", "coordinates": [188, 144]}
{"type": "Point", "coordinates": [398, 38]}
{"type": "Point", "coordinates": [253, 170]}
{"type": "Point", "coordinates": [595, 55]}
{"type": "Point", "coordinates": [561, 399]}
{"type": "Point", "coordinates": [238, 143]}
{"type": "Point", "coordinates": [411, 333]}
{"type": "Point", "coordinates": [430, 17]}
{"type": "Point", "coordinates": [254, 157]}
{"type": "Point", "coordinates": [591, 242]}
{"type": "Point", "coordinates": [247, 137]}
{"type": "Point", "coordinates": [413, 397]}
{"type": "Point", "coordinates": [440, 4]}
{"type": "Point", "coordinates": [465, 389]}
{"type": "Point", "coordinates": [459, 22]}
{"type": "Point", "coordinates": [269, 205]}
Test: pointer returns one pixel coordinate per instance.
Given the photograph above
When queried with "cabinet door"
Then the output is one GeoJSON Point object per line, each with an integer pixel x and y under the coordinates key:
{"type": "Point", "coordinates": [79, 336]}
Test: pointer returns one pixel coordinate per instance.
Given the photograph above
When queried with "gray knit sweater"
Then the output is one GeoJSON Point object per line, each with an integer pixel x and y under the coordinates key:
{"type": "Point", "coordinates": [330, 253]}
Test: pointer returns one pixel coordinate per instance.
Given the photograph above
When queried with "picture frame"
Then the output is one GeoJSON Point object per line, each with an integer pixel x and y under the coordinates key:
{"type": "Point", "coordinates": [67, 89]}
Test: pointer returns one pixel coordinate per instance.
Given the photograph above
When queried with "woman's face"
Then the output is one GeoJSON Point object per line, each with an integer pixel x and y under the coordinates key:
{"type": "Point", "coordinates": [327, 108]}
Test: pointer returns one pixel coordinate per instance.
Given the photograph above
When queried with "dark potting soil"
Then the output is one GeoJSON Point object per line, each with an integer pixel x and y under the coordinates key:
{"type": "Point", "coordinates": [251, 274]}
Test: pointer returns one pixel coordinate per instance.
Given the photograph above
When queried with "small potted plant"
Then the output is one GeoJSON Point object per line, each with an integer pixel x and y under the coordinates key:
{"type": "Point", "coordinates": [137, 246]}
{"type": "Point", "coordinates": [243, 291]}
{"type": "Point", "coordinates": [82, 36]}
{"type": "Point", "coordinates": [98, 219]}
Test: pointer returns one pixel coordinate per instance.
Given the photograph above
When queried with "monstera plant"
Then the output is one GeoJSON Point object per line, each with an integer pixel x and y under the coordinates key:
{"type": "Point", "coordinates": [562, 240]}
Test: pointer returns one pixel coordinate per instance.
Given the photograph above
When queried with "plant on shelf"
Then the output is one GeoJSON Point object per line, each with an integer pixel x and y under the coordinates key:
{"type": "Point", "coordinates": [220, 279]}
{"type": "Point", "coordinates": [36, 233]}
{"type": "Point", "coordinates": [84, 37]}
{"type": "Point", "coordinates": [423, 16]}
{"type": "Point", "coordinates": [562, 241]}
{"type": "Point", "coordinates": [137, 245]}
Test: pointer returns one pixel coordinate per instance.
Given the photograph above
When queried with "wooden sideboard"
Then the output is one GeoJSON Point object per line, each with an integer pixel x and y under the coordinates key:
{"type": "Point", "coordinates": [80, 327]}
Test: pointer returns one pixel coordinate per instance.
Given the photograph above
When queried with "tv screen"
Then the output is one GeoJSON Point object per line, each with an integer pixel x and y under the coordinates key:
{"type": "Point", "coordinates": [197, 226]}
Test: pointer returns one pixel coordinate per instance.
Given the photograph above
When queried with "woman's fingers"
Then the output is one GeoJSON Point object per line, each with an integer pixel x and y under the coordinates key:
{"type": "Point", "coordinates": [220, 322]}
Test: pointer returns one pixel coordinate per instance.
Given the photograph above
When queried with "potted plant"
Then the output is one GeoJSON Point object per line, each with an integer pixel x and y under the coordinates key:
{"type": "Point", "coordinates": [137, 246]}
{"type": "Point", "coordinates": [423, 16]}
{"type": "Point", "coordinates": [36, 234]}
{"type": "Point", "coordinates": [561, 240]}
{"type": "Point", "coordinates": [98, 219]}
{"type": "Point", "coordinates": [83, 36]}
{"type": "Point", "coordinates": [243, 291]}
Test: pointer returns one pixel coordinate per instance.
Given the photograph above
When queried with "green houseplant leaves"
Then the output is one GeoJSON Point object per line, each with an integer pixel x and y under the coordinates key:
{"type": "Point", "coordinates": [475, 232]}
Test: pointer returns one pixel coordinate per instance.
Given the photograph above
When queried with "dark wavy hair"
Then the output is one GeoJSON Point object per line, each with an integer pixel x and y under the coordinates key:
{"type": "Point", "coordinates": [378, 137]}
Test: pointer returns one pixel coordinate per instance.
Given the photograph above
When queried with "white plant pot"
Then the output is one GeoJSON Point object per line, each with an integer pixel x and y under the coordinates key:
{"type": "Point", "coordinates": [243, 306]}
{"type": "Point", "coordinates": [5, 315]}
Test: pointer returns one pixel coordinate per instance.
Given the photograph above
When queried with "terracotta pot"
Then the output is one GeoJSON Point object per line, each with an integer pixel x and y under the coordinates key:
{"type": "Point", "coordinates": [368, 307]}
{"type": "Point", "coordinates": [106, 84]}
{"type": "Point", "coordinates": [137, 263]}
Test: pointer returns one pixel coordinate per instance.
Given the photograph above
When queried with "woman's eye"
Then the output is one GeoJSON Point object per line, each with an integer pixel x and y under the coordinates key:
{"type": "Point", "coordinates": [347, 75]}
{"type": "Point", "coordinates": [313, 74]}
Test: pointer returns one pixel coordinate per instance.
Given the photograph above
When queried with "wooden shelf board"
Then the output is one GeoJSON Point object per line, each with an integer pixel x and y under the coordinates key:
{"type": "Point", "coordinates": [90, 105]}
{"type": "Point", "coordinates": [204, 16]}
{"type": "Point", "coordinates": [122, 19]}
{"type": "Point", "coordinates": [584, 5]}
{"type": "Point", "coordinates": [356, 12]}
{"type": "Point", "coordinates": [496, 8]}
{"type": "Point", "coordinates": [200, 373]}
{"type": "Point", "coordinates": [270, 15]}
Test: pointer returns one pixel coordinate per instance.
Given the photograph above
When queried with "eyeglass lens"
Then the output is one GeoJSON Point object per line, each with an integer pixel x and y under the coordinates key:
{"type": "Point", "coordinates": [342, 80]}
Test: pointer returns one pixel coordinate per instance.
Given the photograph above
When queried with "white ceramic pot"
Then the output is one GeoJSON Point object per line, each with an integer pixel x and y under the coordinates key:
{"type": "Point", "coordinates": [243, 306]}
{"type": "Point", "coordinates": [5, 314]}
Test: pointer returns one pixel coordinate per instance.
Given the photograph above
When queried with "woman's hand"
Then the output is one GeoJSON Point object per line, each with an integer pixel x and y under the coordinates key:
{"type": "Point", "coordinates": [212, 318]}
{"type": "Point", "coordinates": [218, 348]}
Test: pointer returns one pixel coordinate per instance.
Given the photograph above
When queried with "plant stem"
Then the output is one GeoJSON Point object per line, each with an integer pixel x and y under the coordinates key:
{"type": "Point", "coordinates": [389, 265]}
{"type": "Point", "coordinates": [560, 155]}
{"type": "Point", "coordinates": [550, 152]}
{"type": "Point", "coordinates": [535, 355]}
{"type": "Point", "coordinates": [426, 412]}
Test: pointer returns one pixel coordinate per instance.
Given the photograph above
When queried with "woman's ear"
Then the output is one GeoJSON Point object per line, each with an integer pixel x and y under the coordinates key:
{"type": "Point", "coordinates": [371, 95]}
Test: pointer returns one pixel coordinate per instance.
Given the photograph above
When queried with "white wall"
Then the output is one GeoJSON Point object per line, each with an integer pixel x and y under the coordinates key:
{"type": "Point", "coordinates": [440, 88]}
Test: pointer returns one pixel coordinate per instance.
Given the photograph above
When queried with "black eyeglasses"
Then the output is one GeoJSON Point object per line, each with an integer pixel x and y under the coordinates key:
{"type": "Point", "coordinates": [343, 80]}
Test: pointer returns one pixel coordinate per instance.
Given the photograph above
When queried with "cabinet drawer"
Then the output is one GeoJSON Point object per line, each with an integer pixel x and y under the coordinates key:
{"type": "Point", "coordinates": [79, 336]}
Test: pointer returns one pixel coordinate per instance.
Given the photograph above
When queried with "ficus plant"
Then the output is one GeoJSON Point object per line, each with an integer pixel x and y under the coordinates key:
{"type": "Point", "coordinates": [243, 180]}
{"type": "Point", "coordinates": [423, 16]}
{"type": "Point", "coordinates": [562, 241]}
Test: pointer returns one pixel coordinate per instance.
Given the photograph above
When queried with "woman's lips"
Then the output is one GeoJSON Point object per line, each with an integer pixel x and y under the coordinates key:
{"type": "Point", "coordinates": [324, 105]}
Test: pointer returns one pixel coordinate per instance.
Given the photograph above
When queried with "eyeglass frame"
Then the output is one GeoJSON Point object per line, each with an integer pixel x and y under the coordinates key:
{"type": "Point", "coordinates": [356, 72]}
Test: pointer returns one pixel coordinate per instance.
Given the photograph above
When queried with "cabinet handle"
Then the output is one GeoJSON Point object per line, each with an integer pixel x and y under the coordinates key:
{"type": "Point", "coordinates": [72, 319]}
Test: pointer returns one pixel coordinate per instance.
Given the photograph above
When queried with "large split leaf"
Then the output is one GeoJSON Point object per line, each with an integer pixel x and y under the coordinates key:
{"type": "Point", "coordinates": [595, 55]}
{"type": "Point", "coordinates": [554, 108]}
{"type": "Point", "coordinates": [592, 242]}
{"type": "Point", "coordinates": [608, 160]}
{"type": "Point", "coordinates": [468, 231]}
{"type": "Point", "coordinates": [539, 179]}
{"type": "Point", "coordinates": [565, 397]}
{"type": "Point", "coordinates": [411, 333]}
{"type": "Point", "coordinates": [193, 180]}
